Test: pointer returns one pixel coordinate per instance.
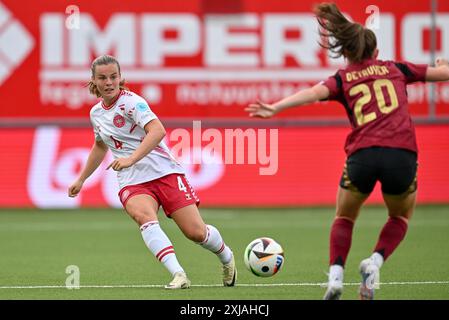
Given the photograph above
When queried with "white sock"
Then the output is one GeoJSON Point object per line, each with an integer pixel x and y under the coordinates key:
{"type": "Point", "coordinates": [159, 244]}
{"type": "Point", "coordinates": [336, 273]}
{"type": "Point", "coordinates": [377, 259]}
{"type": "Point", "coordinates": [214, 242]}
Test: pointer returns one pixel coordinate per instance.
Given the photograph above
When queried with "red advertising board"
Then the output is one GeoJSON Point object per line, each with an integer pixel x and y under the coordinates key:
{"type": "Point", "coordinates": [194, 58]}
{"type": "Point", "coordinates": [284, 167]}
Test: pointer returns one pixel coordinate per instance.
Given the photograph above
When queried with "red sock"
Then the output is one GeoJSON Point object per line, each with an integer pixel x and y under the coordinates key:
{"type": "Point", "coordinates": [391, 235]}
{"type": "Point", "coordinates": [340, 241]}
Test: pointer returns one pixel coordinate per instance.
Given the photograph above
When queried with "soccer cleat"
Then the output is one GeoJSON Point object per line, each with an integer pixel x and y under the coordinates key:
{"type": "Point", "coordinates": [370, 279]}
{"type": "Point", "coordinates": [180, 281]}
{"type": "Point", "coordinates": [229, 273]}
{"type": "Point", "coordinates": [334, 290]}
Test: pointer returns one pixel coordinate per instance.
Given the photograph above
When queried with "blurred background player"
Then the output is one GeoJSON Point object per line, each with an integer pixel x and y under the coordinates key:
{"type": "Point", "coordinates": [381, 147]}
{"type": "Point", "coordinates": [147, 173]}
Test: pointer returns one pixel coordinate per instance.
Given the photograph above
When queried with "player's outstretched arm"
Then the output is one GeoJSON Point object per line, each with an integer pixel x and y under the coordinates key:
{"type": "Point", "coordinates": [155, 132]}
{"type": "Point", "coordinates": [95, 158]}
{"type": "Point", "coordinates": [440, 72]}
{"type": "Point", "coordinates": [306, 96]}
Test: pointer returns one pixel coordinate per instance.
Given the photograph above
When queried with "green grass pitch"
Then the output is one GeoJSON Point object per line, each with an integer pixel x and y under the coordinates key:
{"type": "Point", "coordinates": [38, 245]}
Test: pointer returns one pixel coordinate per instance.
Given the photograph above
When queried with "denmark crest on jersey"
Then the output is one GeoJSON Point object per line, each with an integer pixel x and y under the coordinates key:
{"type": "Point", "coordinates": [119, 121]}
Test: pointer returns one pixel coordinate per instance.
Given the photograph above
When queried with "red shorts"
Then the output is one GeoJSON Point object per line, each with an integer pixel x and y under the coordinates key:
{"type": "Point", "coordinates": [172, 192]}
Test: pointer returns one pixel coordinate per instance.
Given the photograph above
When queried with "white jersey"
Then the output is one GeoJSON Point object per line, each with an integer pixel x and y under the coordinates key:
{"type": "Point", "coordinates": [121, 127]}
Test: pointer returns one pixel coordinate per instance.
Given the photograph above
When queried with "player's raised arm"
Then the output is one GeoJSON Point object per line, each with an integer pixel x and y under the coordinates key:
{"type": "Point", "coordinates": [96, 156]}
{"type": "Point", "coordinates": [306, 96]}
{"type": "Point", "coordinates": [440, 72]}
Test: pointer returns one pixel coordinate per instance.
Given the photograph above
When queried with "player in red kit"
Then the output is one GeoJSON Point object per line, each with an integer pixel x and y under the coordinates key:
{"type": "Point", "coordinates": [381, 146]}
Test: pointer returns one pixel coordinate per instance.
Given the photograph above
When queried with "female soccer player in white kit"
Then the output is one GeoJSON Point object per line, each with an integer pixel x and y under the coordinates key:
{"type": "Point", "coordinates": [147, 173]}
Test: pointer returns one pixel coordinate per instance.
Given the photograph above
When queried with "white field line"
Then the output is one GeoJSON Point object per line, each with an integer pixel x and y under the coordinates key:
{"type": "Point", "coordinates": [301, 284]}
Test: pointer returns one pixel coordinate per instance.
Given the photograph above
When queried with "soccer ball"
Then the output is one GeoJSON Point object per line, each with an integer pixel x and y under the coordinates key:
{"type": "Point", "coordinates": [264, 257]}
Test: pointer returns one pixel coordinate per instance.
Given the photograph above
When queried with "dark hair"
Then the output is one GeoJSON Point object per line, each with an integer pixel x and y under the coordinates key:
{"type": "Point", "coordinates": [103, 60]}
{"type": "Point", "coordinates": [342, 37]}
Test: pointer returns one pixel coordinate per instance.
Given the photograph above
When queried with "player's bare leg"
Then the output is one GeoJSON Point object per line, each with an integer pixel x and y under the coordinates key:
{"type": "Point", "coordinates": [400, 210]}
{"type": "Point", "coordinates": [190, 222]}
{"type": "Point", "coordinates": [347, 211]}
{"type": "Point", "coordinates": [401, 206]}
{"type": "Point", "coordinates": [192, 225]}
{"type": "Point", "coordinates": [143, 209]}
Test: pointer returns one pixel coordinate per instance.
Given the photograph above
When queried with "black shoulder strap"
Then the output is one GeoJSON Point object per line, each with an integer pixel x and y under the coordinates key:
{"type": "Point", "coordinates": [343, 100]}
{"type": "Point", "coordinates": [404, 69]}
{"type": "Point", "coordinates": [339, 81]}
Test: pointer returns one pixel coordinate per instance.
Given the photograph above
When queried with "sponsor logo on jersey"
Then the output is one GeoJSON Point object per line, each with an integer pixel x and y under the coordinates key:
{"type": "Point", "coordinates": [142, 107]}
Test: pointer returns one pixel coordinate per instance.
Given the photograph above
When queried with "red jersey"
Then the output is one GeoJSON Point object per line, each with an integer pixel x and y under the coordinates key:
{"type": "Point", "coordinates": [374, 95]}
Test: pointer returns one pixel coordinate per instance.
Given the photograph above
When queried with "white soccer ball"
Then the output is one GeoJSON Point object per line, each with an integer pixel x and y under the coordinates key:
{"type": "Point", "coordinates": [264, 257]}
